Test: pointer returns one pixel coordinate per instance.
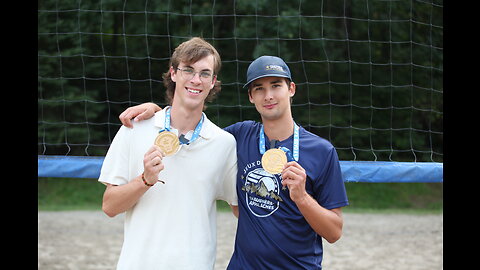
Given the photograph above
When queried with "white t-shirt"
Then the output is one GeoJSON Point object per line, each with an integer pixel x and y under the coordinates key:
{"type": "Point", "coordinates": [173, 225]}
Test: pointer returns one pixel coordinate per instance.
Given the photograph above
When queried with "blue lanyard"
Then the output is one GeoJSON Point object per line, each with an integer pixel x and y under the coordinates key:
{"type": "Point", "coordinates": [196, 132]}
{"type": "Point", "coordinates": [296, 144]}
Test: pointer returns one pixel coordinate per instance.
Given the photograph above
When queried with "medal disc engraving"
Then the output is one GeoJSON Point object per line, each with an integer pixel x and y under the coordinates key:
{"type": "Point", "coordinates": [273, 161]}
{"type": "Point", "coordinates": [168, 142]}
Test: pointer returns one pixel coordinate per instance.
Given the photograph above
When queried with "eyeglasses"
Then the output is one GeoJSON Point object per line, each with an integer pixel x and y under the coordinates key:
{"type": "Point", "coordinates": [189, 73]}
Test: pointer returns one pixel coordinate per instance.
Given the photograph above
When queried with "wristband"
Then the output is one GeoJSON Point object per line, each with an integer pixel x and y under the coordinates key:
{"type": "Point", "coordinates": [147, 184]}
{"type": "Point", "coordinates": [145, 181]}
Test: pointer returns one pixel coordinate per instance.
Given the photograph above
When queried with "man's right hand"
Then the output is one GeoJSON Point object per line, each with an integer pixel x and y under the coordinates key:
{"type": "Point", "coordinates": [138, 113]}
{"type": "Point", "coordinates": [152, 164]}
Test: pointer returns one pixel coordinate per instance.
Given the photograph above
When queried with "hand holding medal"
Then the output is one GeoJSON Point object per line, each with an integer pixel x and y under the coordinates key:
{"type": "Point", "coordinates": [294, 177]}
{"type": "Point", "coordinates": [152, 165]}
{"type": "Point", "coordinates": [281, 160]}
{"type": "Point", "coordinates": [275, 161]}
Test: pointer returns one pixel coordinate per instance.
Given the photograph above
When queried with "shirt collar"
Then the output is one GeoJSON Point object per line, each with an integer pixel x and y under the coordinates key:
{"type": "Point", "coordinates": [205, 132]}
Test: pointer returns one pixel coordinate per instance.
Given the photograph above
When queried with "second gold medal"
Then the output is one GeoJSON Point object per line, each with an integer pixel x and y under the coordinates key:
{"type": "Point", "coordinates": [273, 161]}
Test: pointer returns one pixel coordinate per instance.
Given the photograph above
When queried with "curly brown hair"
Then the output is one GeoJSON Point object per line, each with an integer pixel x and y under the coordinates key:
{"type": "Point", "coordinates": [190, 52]}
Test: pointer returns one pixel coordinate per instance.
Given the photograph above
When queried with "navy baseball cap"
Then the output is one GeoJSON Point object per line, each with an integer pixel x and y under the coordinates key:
{"type": "Point", "coordinates": [267, 66]}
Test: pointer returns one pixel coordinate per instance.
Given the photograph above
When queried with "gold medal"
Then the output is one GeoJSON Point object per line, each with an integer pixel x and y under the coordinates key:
{"type": "Point", "coordinates": [273, 161]}
{"type": "Point", "coordinates": [168, 142]}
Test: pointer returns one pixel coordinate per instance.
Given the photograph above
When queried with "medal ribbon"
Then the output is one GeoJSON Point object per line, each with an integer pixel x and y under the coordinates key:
{"type": "Point", "coordinates": [296, 143]}
{"type": "Point", "coordinates": [196, 132]}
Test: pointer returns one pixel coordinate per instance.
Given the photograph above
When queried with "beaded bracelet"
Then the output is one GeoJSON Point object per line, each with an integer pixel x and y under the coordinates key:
{"type": "Point", "coordinates": [149, 185]}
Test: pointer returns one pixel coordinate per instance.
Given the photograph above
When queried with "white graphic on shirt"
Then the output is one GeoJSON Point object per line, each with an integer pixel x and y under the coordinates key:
{"type": "Point", "coordinates": [262, 192]}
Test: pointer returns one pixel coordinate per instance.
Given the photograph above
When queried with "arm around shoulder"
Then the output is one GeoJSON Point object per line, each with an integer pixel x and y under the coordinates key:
{"type": "Point", "coordinates": [137, 113]}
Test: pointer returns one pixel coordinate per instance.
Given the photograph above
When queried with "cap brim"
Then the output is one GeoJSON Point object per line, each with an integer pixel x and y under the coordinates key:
{"type": "Point", "coordinates": [266, 75]}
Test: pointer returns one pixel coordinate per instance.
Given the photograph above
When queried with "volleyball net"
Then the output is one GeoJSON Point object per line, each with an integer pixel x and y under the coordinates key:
{"type": "Point", "coordinates": [369, 75]}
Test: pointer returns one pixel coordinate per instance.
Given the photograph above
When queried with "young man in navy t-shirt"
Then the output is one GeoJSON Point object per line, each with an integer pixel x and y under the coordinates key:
{"type": "Point", "coordinates": [283, 215]}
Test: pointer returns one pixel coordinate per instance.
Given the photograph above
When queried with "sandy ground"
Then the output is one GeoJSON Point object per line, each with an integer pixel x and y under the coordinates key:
{"type": "Point", "coordinates": [87, 240]}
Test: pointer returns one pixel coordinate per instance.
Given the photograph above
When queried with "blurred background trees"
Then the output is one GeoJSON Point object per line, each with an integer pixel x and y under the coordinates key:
{"type": "Point", "coordinates": [369, 74]}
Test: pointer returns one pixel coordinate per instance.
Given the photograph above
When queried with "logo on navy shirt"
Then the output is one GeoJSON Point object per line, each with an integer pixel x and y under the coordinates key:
{"type": "Point", "coordinates": [262, 192]}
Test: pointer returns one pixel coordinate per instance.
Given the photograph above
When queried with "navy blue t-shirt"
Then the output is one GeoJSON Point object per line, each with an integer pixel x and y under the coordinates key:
{"type": "Point", "coordinates": [272, 233]}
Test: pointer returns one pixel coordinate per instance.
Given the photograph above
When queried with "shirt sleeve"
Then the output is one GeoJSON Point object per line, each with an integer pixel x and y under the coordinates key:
{"type": "Point", "coordinates": [114, 170]}
{"type": "Point", "coordinates": [227, 190]}
{"type": "Point", "coordinates": [231, 129]}
{"type": "Point", "coordinates": [330, 188]}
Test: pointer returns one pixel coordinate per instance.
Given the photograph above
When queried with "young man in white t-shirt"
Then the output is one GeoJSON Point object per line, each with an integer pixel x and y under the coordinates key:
{"type": "Point", "coordinates": [170, 201]}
